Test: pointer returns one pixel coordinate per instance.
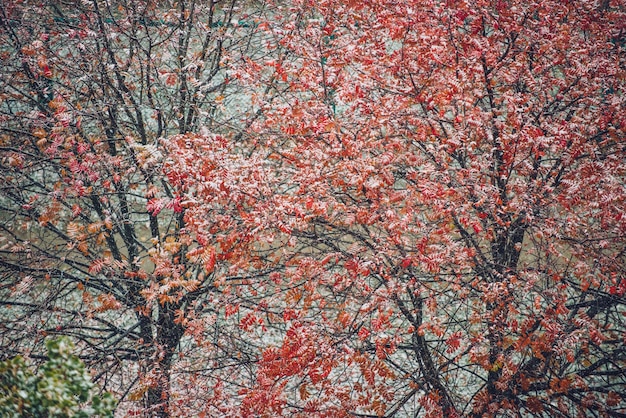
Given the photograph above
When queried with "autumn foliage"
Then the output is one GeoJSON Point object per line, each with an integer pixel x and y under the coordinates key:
{"type": "Point", "coordinates": [369, 208]}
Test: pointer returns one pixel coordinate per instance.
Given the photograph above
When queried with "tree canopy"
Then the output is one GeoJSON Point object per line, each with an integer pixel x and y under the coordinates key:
{"type": "Point", "coordinates": [328, 208]}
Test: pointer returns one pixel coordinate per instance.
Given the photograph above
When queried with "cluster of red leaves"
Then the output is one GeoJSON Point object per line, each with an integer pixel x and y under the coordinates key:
{"type": "Point", "coordinates": [447, 178]}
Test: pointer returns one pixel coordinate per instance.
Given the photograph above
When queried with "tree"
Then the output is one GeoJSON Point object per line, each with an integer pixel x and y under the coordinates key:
{"type": "Point", "coordinates": [92, 238]}
{"type": "Point", "coordinates": [441, 189]}
{"type": "Point", "coordinates": [418, 212]}
{"type": "Point", "coordinates": [61, 387]}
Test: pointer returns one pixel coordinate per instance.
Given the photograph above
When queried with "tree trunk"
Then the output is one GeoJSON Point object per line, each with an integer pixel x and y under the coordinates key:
{"type": "Point", "coordinates": [168, 335]}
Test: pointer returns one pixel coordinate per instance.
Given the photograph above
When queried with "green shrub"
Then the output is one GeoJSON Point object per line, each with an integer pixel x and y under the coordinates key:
{"type": "Point", "coordinates": [60, 388]}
